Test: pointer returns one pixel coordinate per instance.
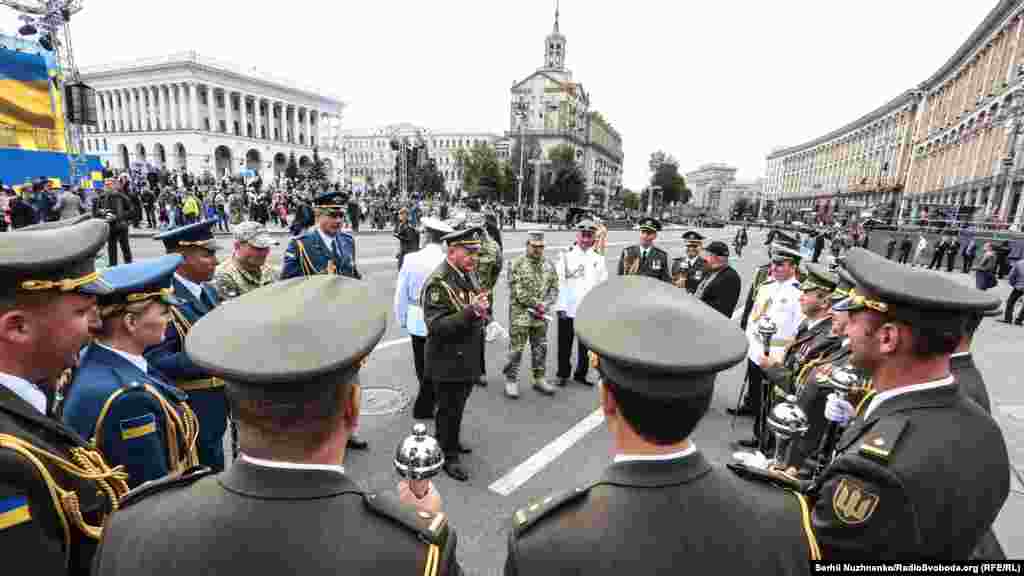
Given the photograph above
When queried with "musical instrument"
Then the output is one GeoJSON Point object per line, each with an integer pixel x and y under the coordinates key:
{"type": "Point", "coordinates": [419, 458]}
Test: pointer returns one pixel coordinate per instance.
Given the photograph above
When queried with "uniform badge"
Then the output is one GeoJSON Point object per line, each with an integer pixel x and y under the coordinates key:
{"type": "Point", "coordinates": [656, 265]}
{"type": "Point", "coordinates": [852, 503]}
{"type": "Point", "coordinates": [435, 296]}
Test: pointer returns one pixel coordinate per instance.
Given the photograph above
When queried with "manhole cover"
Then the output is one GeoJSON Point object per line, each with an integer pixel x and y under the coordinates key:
{"type": "Point", "coordinates": [379, 401]}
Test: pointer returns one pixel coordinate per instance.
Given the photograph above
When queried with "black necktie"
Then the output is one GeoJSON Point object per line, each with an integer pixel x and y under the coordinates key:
{"type": "Point", "coordinates": [643, 259]}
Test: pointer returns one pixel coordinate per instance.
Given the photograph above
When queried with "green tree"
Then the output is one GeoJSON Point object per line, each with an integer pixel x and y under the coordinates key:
{"type": "Point", "coordinates": [479, 162]}
{"type": "Point", "coordinates": [317, 172]}
{"type": "Point", "coordinates": [630, 200]}
{"type": "Point", "coordinates": [567, 183]}
{"type": "Point", "coordinates": [291, 171]}
{"type": "Point", "coordinates": [665, 173]}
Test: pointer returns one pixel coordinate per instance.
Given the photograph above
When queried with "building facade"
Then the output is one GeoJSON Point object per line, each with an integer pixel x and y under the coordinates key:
{"type": "Point", "coordinates": [950, 147]}
{"type": "Point", "coordinates": [715, 189]}
{"type": "Point", "coordinates": [370, 159]}
{"type": "Point", "coordinates": [548, 109]}
{"type": "Point", "coordinates": [186, 111]}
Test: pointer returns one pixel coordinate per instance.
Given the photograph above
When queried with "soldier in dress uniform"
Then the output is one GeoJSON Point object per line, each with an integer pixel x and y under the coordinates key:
{"type": "Point", "coordinates": [779, 300]}
{"type": "Point", "coordinates": [923, 472]}
{"type": "Point", "coordinates": [247, 269]}
{"type": "Point", "coordinates": [55, 490]}
{"type": "Point", "coordinates": [327, 249]}
{"type": "Point", "coordinates": [580, 268]}
{"type": "Point", "coordinates": [409, 310]}
{"type": "Point", "coordinates": [812, 335]}
{"type": "Point", "coordinates": [116, 400]}
{"type": "Point", "coordinates": [195, 297]}
{"type": "Point", "coordinates": [653, 394]}
{"type": "Point", "coordinates": [533, 290]}
{"type": "Point", "coordinates": [962, 366]}
{"type": "Point", "coordinates": [455, 308]}
{"type": "Point", "coordinates": [645, 258]}
{"type": "Point", "coordinates": [287, 505]}
{"type": "Point", "coordinates": [688, 270]}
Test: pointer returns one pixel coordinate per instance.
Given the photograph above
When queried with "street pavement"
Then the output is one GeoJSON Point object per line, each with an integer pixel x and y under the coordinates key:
{"type": "Point", "coordinates": [528, 448]}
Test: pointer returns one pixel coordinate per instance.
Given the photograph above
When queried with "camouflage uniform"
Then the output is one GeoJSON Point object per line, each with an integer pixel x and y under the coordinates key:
{"type": "Point", "coordinates": [231, 280]}
{"type": "Point", "coordinates": [489, 264]}
{"type": "Point", "coordinates": [531, 281]}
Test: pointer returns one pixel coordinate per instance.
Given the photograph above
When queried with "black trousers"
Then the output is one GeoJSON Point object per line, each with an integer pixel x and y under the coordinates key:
{"type": "Point", "coordinates": [950, 260]}
{"type": "Point", "coordinates": [565, 338]}
{"type": "Point", "coordinates": [904, 256]}
{"type": "Point", "coordinates": [1010, 303]}
{"type": "Point", "coordinates": [425, 400]}
{"type": "Point", "coordinates": [118, 236]}
{"type": "Point", "coordinates": [936, 262]}
{"type": "Point", "coordinates": [756, 383]}
{"type": "Point", "coordinates": [150, 216]}
{"type": "Point", "coordinates": [968, 262]}
{"type": "Point", "coordinates": [451, 404]}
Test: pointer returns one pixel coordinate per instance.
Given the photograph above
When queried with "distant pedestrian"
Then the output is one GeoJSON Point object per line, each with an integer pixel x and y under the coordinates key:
{"type": "Point", "coordinates": [985, 271]}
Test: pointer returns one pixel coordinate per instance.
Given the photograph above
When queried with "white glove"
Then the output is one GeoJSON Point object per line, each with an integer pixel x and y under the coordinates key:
{"type": "Point", "coordinates": [838, 410]}
{"type": "Point", "coordinates": [495, 331]}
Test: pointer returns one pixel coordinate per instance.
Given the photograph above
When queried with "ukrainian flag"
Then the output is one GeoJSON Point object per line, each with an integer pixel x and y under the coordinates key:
{"type": "Point", "coordinates": [26, 101]}
{"type": "Point", "coordinates": [13, 511]}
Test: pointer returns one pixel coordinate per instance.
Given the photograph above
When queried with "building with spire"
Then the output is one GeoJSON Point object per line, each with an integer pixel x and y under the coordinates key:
{"type": "Point", "coordinates": [548, 108]}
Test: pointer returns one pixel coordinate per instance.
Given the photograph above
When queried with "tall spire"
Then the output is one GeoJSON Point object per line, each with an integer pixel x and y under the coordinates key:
{"type": "Point", "coordinates": [557, 2]}
{"type": "Point", "coordinates": [554, 45]}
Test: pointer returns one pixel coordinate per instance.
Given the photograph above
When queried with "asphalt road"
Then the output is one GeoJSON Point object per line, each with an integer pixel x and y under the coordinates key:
{"type": "Point", "coordinates": [528, 448]}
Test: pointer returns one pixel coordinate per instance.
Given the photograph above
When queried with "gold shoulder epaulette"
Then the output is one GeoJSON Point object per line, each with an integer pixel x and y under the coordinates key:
{"type": "Point", "coordinates": [526, 517]}
{"type": "Point", "coordinates": [430, 527]}
{"type": "Point", "coordinates": [880, 443]}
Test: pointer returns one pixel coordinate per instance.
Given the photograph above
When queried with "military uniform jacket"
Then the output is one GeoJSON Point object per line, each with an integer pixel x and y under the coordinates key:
{"type": "Point", "coordinates": [806, 346]}
{"type": "Point", "coordinates": [134, 419]}
{"type": "Point", "coordinates": [307, 255]}
{"type": "Point", "coordinates": [230, 280]}
{"type": "Point", "coordinates": [455, 335]}
{"type": "Point", "coordinates": [662, 517]}
{"type": "Point", "coordinates": [969, 379]}
{"type": "Point", "coordinates": [922, 477]}
{"type": "Point", "coordinates": [531, 281]}
{"type": "Point", "coordinates": [205, 393]}
{"type": "Point", "coordinates": [811, 397]}
{"type": "Point", "coordinates": [687, 273]}
{"type": "Point", "coordinates": [38, 529]}
{"type": "Point", "coordinates": [578, 272]}
{"type": "Point", "coordinates": [489, 262]}
{"type": "Point", "coordinates": [259, 520]}
{"type": "Point", "coordinates": [656, 264]}
{"type": "Point", "coordinates": [721, 290]}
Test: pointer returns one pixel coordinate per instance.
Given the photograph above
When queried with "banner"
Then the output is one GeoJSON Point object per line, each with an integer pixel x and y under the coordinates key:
{"type": "Point", "coordinates": [30, 111]}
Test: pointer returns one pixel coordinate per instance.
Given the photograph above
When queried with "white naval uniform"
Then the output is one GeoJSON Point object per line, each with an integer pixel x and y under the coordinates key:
{"type": "Point", "coordinates": [579, 271]}
{"type": "Point", "coordinates": [415, 268]}
{"type": "Point", "coordinates": [781, 302]}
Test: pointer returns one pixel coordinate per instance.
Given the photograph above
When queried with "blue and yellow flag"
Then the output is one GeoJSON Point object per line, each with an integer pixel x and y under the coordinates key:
{"type": "Point", "coordinates": [27, 104]}
{"type": "Point", "coordinates": [13, 511]}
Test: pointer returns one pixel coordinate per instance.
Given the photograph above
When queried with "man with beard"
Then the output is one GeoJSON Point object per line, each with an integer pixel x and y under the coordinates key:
{"type": "Point", "coordinates": [720, 287]}
{"type": "Point", "coordinates": [56, 491]}
{"type": "Point", "coordinates": [923, 472]}
{"type": "Point", "coordinates": [195, 297]}
{"type": "Point", "coordinates": [455, 308]}
{"type": "Point", "coordinates": [688, 270]}
{"type": "Point", "coordinates": [247, 269]}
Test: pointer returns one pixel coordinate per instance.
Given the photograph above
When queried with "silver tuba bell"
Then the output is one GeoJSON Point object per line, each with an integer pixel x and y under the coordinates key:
{"type": "Point", "coordinates": [419, 456]}
{"type": "Point", "coordinates": [787, 421]}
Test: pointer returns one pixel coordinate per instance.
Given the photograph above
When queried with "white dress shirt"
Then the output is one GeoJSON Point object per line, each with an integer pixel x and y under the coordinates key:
{"type": "Point", "coordinates": [578, 272]}
{"type": "Point", "coordinates": [883, 396]}
{"type": "Point", "coordinates": [139, 361]}
{"type": "Point", "coordinates": [191, 286]}
{"type": "Point", "coordinates": [656, 457]}
{"type": "Point", "coordinates": [328, 240]}
{"type": "Point", "coordinates": [282, 465]}
{"type": "Point", "coordinates": [415, 269]}
{"type": "Point", "coordinates": [781, 303]}
{"type": "Point", "coordinates": [25, 390]}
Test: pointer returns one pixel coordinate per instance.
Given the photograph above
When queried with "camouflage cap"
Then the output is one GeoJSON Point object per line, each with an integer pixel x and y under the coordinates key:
{"type": "Point", "coordinates": [254, 234]}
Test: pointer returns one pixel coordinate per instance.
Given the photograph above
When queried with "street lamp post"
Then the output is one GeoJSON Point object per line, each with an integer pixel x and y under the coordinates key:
{"type": "Point", "coordinates": [520, 108]}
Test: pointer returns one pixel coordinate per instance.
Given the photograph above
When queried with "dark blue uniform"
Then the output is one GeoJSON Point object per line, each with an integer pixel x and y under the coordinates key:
{"type": "Point", "coordinates": [205, 393]}
{"type": "Point", "coordinates": [136, 420]}
{"type": "Point", "coordinates": [308, 255]}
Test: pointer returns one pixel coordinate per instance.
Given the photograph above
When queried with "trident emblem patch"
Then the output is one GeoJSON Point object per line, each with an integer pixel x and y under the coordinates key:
{"type": "Point", "coordinates": [853, 504]}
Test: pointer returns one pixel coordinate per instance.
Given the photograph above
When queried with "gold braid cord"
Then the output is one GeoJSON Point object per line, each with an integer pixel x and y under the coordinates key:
{"type": "Point", "coordinates": [630, 264]}
{"type": "Point", "coordinates": [307, 265]}
{"type": "Point", "coordinates": [65, 285]}
{"type": "Point", "coordinates": [87, 465]}
{"type": "Point", "coordinates": [181, 323]}
{"type": "Point", "coordinates": [453, 295]}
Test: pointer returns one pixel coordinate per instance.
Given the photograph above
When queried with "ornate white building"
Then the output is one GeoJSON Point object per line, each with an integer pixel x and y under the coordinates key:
{"type": "Point", "coordinates": [715, 188]}
{"type": "Point", "coordinates": [188, 111]}
{"type": "Point", "coordinates": [551, 109]}
{"type": "Point", "coordinates": [370, 161]}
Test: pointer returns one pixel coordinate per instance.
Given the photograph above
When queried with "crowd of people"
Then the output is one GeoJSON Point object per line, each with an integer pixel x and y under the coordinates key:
{"type": "Point", "coordinates": [130, 376]}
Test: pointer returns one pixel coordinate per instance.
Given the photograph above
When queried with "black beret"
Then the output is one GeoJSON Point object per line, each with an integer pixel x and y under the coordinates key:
{"type": "Point", "coordinates": [57, 256]}
{"type": "Point", "coordinates": [286, 338]}
{"type": "Point", "coordinates": [884, 284]}
{"type": "Point", "coordinates": [634, 324]}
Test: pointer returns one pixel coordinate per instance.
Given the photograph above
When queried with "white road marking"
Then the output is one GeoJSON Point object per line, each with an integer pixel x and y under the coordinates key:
{"type": "Point", "coordinates": [390, 343]}
{"type": "Point", "coordinates": [518, 476]}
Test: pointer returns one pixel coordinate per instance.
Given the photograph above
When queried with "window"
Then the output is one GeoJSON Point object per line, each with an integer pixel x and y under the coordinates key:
{"type": "Point", "coordinates": [206, 124]}
{"type": "Point", "coordinates": [223, 126]}
{"type": "Point", "coordinates": [237, 131]}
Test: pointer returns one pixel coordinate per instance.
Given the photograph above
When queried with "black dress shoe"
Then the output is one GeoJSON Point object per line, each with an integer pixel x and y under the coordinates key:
{"type": "Point", "coordinates": [748, 443]}
{"type": "Point", "coordinates": [582, 380]}
{"type": "Point", "coordinates": [455, 470]}
{"type": "Point", "coordinates": [357, 443]}
{"type": "Point", "coordinates": [743, 411]}
{"type": "Point", "coordinates": [1003, 320]}
{"type": "Point", "coordinates": [464, 449]}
